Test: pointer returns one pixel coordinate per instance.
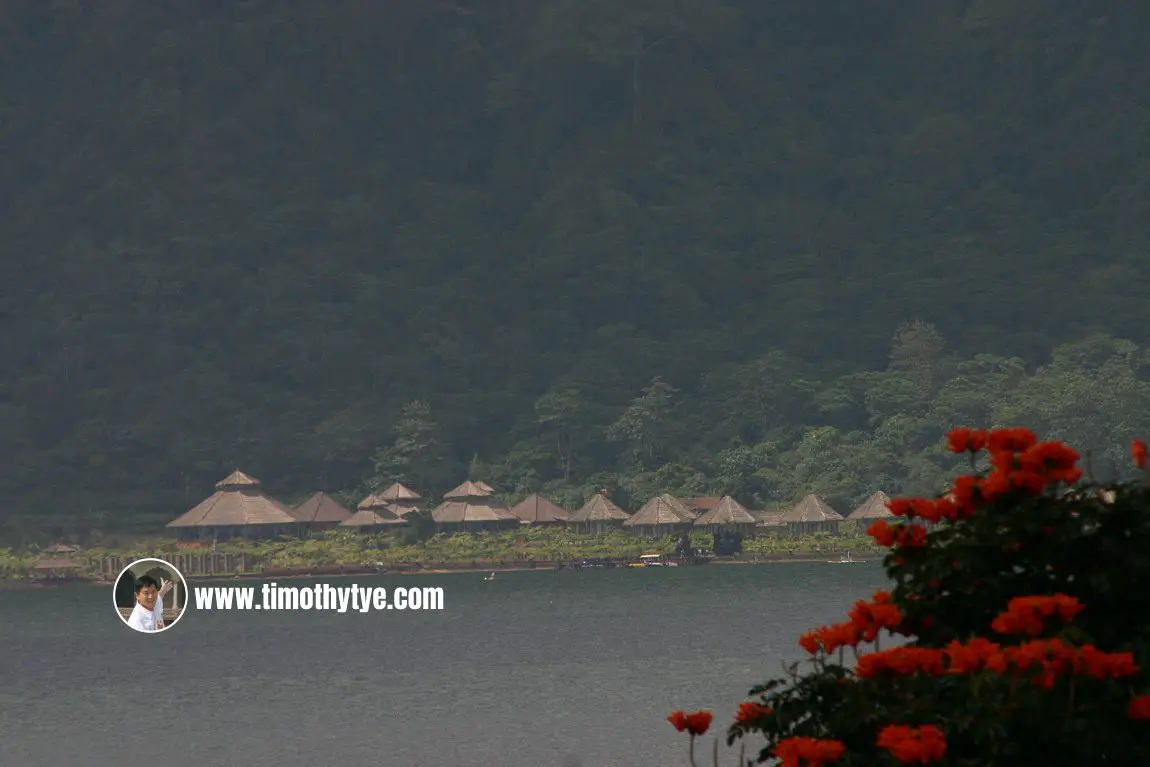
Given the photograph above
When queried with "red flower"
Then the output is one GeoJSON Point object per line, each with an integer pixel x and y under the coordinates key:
{"type": "Point", "coordinates": [1139, 708]}
{"type": "Point", "coordinates": [698, 722]}
{"type": "Point", "coordinates": [964, 440]}
{"type": "Point", "coordinates": [1026, 615]}
{"type": "Point", "coordinates": [678, 720]}
{"type": "Point", "coordinates": [902, 661]}
{"type": "Point", "coordinates": [871, 617]}
{"type": "Point", "coordinates": [974, 655]}
{"type": "Point", "coordinates": [1138, 453]}
{"type": "Point", "coordinates": [830, 638]}
{"type": "Point", "coordinates": [808, 752]}
{"type": "Point", "coordinates": [882, 533]}
{"type": "Point", "coordinates": [913, 745]}
{"type": "Point", "coordinates": [921, 508]}
{"type": "Point", "coordinates": [751, 712]}
{"type": "Point", "coordinates": [1012, 440]}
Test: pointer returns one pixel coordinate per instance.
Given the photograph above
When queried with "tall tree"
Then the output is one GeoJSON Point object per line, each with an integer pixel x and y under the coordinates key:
{"type": "Point", "coordinates": [916, 352]}
{"type": "Point", "coordinates": [641, 429]}
{"type": "Point", "coordinates": [416, 455]}
{"type": "Point", "coordinates": [559, 412]}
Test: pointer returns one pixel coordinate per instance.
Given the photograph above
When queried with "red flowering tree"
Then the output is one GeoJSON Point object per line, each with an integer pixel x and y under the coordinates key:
{"type": "Point", "coordinates": [1017, 629]}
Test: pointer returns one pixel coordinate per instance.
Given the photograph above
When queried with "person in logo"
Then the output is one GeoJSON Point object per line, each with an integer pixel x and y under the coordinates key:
{"type": "Point", "coordinates": [148, 613]}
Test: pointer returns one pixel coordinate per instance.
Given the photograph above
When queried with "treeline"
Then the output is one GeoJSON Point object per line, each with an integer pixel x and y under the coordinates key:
{"type": "Point", "coordinates": [771, 430]}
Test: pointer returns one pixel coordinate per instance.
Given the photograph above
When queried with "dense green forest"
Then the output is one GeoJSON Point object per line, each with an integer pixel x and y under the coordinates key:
{"type": "Point", "coordinates": [564, 243]}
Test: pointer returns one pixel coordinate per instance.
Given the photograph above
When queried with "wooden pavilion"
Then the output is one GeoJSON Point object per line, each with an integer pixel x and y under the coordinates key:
{"type": "Point", "coordinates": [874, 507]}
{"type": "Point", "coordinates": [320, 512]}
{"type": "Point", "coordinates": [598, 515]}
{"type": "Point", "coordinates": [472, 507]}
{"type": "Point", "coordinates": [661, 516]}
{"type": "Point", "coordinates": [537, 510]}
{"type": "Point", "coordinates": [811, 515]}
{"type": "Point", "coordinates": [373, 515]}
{"type": "Point", "coordinates": [770, 522]}
{"type": "Point", "coordinates": [238, 509]}
{"type": "Point", "coordinates": [401, 499]}
{"type": "Point", "coordinates": [727, 517]}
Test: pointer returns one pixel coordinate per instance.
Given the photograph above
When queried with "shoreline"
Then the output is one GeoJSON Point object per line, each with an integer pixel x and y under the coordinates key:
{"type": "Point", "coordinates": [431, 568]}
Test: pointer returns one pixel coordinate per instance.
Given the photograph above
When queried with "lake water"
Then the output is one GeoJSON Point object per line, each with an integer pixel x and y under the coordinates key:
{"type": "Point", "coordinates": [535, 669]}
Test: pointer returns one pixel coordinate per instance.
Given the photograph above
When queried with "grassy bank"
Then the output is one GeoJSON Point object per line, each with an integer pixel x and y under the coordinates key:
{"type": "Point", "coordinates": [349, 548]}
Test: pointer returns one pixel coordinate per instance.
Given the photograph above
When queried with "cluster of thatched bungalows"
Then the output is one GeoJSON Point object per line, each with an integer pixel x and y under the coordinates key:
{"type": "Point", "coordinates": [240, 509]}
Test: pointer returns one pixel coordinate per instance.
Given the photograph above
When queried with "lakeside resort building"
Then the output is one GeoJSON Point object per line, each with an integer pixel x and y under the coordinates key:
{"type": "Point", "coordinates": [238, 509]}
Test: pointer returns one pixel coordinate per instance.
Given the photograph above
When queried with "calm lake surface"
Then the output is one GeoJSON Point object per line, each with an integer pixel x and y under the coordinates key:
{"type": "Point", "coordinates": [543, 669]}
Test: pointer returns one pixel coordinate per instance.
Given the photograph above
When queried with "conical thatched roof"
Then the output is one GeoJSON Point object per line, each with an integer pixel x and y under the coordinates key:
{"type": "Point", "coordinates": [472, 510]}
{"type": "Point", "coordinates": [237, 501]}
{"type": "Point", "coordinates": [471, 502]}
{"type": "Point", "coordinates": [811, 509]}
{"type": "Point", "coordinates": [373, 501]}
{"type": "Point", "coordinates": [398, 492]}
{"type": "Point", "coordinates": [598, 508]}
{"type": "Point", "coordinates": [235, 480]}
{"type": "Point", "coordinates": [372, 517]}
{"type": "Point", "coordinates": [537, 509]}
{"type": "Point", "coordinates": [321, 507]}
{"type": "Point", "coordinates": [874, 507]}
{"type": "Point", "coordinates": [469, 489]}
{"type": "Point", "coordinates": [663, 509]}
{"type": "Point", "coordinates": [727, 512]}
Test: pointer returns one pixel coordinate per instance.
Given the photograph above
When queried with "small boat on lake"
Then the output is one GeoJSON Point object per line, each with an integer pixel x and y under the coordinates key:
{"type": "Point", "coordinates": [489, 577]}
{"type": "Point", "coordinates": [846, 559]}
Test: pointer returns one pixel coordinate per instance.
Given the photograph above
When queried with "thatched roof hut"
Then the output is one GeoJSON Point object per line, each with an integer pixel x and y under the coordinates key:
{"type": "Point", "coordinates": [400, 492]}
{"type": "Point", "coordinates": [377, 519]}
{"type": "Point", "coordinates": [373, 515]}
{"type": "Point", "coordinates": [321, 512]}
{"type": "Point", "coordinates": [372, 501]}
{"type": "Point", "coordinates": [662, 515]}
{"type": "Point", "coordinates": [769, 521]}
{"type": "Point", "coordinates": [598, 515]}
{"type": "Point", "coordinates": [473, 506]}
{"type": "Point", "coordinates": [401, 499]}
{"type": "Point", "coordinates": [728, 514]}
{"type": "Point", "coordinates": [812, 515]}
{"type": "Point", "coordinates": [470, 489]}
{"type": "Point", "coordinates": [872, 508]}
{"type": "Point", "coordinates": [55, 567]}
{"type": "Point", "coordinates": [61, 549]}
{"type": "Point", "coordinates": [769, 517]}
{"type": "Point", "coordinates": [537, 510]}
{"type": "Point", "coordinates": [702, 504]}
{"type": "Point", "coordinates": [238, 508]}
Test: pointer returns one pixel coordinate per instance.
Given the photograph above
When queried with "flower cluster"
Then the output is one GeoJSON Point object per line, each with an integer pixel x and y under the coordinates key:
{"type": "Point", "coordinates": [866, 620]}
{"type": "Point", "coordinates": [696, 723]}
{"type": "Point", "coordinates": [913, 745]}
{"type": "Point", "coordinates": [1020, 463]}
{"type": "Point", "coordinates": [1027, 615]}
{"type": "Point", "coordinates": [750, 713]}
{"type": "Point", "coordinates": [974, 678]}
{"type": "Point", "coordinates": [808, 752]}
{"type": "Point", "coordinates": [1051, 657]}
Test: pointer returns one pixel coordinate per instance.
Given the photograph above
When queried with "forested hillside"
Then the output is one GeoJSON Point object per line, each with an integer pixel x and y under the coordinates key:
{"type": "Point", "coordinates": [284, 235]}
